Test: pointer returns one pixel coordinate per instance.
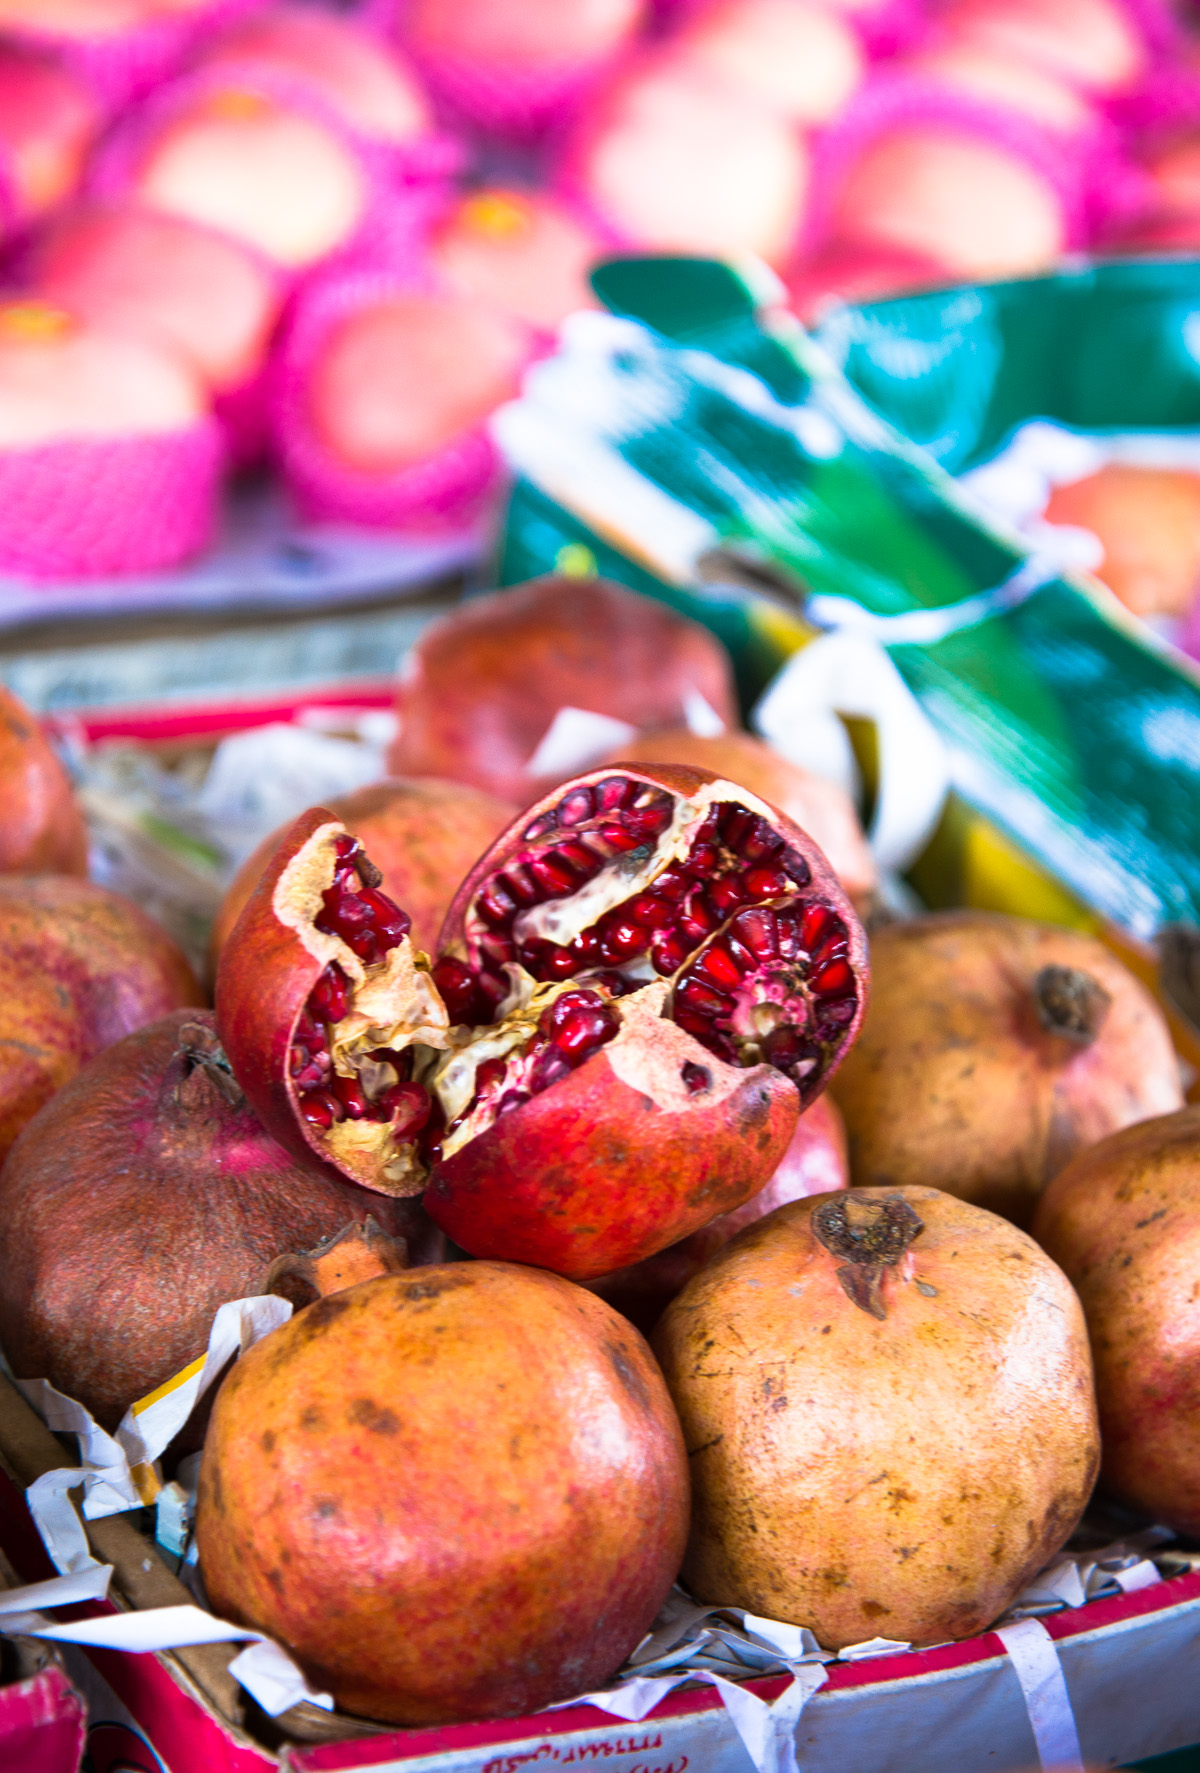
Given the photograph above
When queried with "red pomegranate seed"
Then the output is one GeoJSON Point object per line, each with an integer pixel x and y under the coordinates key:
{"type": "Point", "coordinates": [581, 859]}
{"type": "Point", "coordinates": [708, 830]}
{"type": "Point", "coordinates": [832, 948]}
{"type": "Point", "coordinates": [672, 883]}
{"type": "Point", "coordinates": [310, 1075]}
{"type": "Point", "coordinates": [695, 1077]}
{"type": "Point", "coordinates": [765, 883]}
{"type": "Point", "coordinates": [364, 943]}
{"type": "Point", "coordinates": [511, 1099]}
{"type": "Point", "coordinates": [835, 1015]}
{"type": "Point", "coordinates": [496, 904]}
{"type": "Point", "coordinates": [700, 997]}
{"type": "Point", "coordinates": [350, 1094]}
{"type": "Point", "coordinates": [787, 927]}
{"type": "Point", "coordinates": [697, 920]}
{"type": "Point", "coordinates": [547, 1068]}
{"type": "Point", "coordinates": [701, 859]}
{"type": "Point", "coordinates": [519, 885]}
{"type": "Point", "coordinates": [613, 793]}
{"type": "Point", "coordinates": [584, 1031]}
{"type": "Point", "coordinates": [668, 951]}
{"type": "Point", "coordinates": [757, 931]}
{"type": "Point", "coordinates": [553, 876]}
{"type": "Point", "coordinates": [690, 1022]}
{"type": "Point", "coordinates": [562, 1009]}
{"type": "Point", "coordinates": [391, 924]}
{"type": "Point", "coordinates": [490, 1073]}
{"type": "Point", "coordinates": [834, 980]}
{"type": "Point", "coordinates": [407, 1106]}
{"type": "Point", "coordinates": [330, 996]}
{"type": "Point", "coordinates": [540, 826]}
{"type": "Point", "coordinates": [496, 948]}
{"type": "Point", "coordinates": [621, 940]}
{"type": "Point", "coordinates": [813, 926]}
{"type": "Point", "coordinates": [320, 1108]}
{"type": "Point", "coordinates": [647, 822]}
{"type": "Point", "coordinates": [761, 842]}
{"type": "Point", "coordinates": [647, 909]}
{"type": "Point", "coordinates": [546, 960]}
{"type": "Point", "coordinates": [735, 824]}
{"type": "Point", "coordinates": [724, 896]}
{"type": "Point", "coordinates": [586, 947]}
{"type": "Point", "coordinates": [794, 865]}
{"type": "Point", "coordinates": [456, 984]}
{"type": "Point", "coordinates": [576, 806]}
{"type": "Point", "coordinates": [341, 913]}
{"type": "Point", "coordinates": [719, 968]}
{"type": "Point", "coordinates": [742, 957]}
{"type": "Point", "coordinates": [493, 988]}
{"type": "Point", "coordinates": [617, 838]}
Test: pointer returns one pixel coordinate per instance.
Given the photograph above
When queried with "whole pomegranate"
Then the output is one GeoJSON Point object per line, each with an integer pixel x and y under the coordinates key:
{"type": "Point", "coordinates": [422, 836]}
{"type": "Point", "coordinates": [887, 1399]}
{"type": "Point", "coordinates": [814, 1163]}
{"type": "Point", "coordinates": [84, 968]}
{"type": "Point", "coordinates": [483, 1452]}
{"type": "Point", "coordinates": [818, 806]}
{"type": "Point", "coordinates": [168, 280]}
{"type": "Point", "coordinates": [640, 983]}
{"type": "Point", "coordinates": [1121, 1220]}
{"type": "Point", "coordinates": [139, 1199]}
{"type": "Point", "coordinates": [41, 827]}
{"type": "Point", "coordinates": [995, 1050]}
{"type": "Point", "coordinates": [504, 692]}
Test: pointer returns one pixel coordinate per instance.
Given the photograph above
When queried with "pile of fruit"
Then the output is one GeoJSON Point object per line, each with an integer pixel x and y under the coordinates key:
{"type": "Point", "coordinates": [333, 239]}
{"type": "Point", "coordinates": [896, 1336]}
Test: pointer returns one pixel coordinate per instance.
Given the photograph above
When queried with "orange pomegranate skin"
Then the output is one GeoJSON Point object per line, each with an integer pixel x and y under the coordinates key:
{"type": "Point", "coordinates": [819, 807]}
{"type": "Point", "coordinates": [422, 835]}
{"type": "Point", "coordinates": [85, 967]}
{"type": "Point", "coordinates": [900, 1474]}
{"type": "Point", "coordinates": [454, 1493]}
{"type": "Point", "coordinates": [483, 685]}
{"type": "Point", "coordinates": [41, 827]}
{"type": "Point", "coordinates": [1122, 1221]}
{"type": "Point", "coordinates": [956, 1083]}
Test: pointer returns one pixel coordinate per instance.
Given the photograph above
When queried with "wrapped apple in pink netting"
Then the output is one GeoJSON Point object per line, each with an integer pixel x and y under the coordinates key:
{"type": "Point", "coordinates": [527, 252]}
{"type": "Point", "coordinates": [512, 67]}
{"type": "Point", "coordinates": [257, 154]}
{"type": "Point", "coordinates": [49, 118]}
{"type": "Point", "coordinates": [384, 385]}
{"type": "Point", "coordinates": [109, 459]}
{"type": "Point", "coordinates": [122, 48]}
{"type": "Point", "coordinates": [179, 285]}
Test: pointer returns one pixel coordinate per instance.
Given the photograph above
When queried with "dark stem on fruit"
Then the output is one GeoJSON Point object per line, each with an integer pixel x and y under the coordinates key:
{"type": "Point", "coordinates": [869, 1235]}
{"type": "Point", "coordinates": [1071, 1003]}
{"type": "Point", "coordinates": [204, 1061]}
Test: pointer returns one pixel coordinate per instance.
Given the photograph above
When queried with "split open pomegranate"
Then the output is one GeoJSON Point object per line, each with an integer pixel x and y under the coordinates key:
{"type": "Point", "coordinates": [640, 983]}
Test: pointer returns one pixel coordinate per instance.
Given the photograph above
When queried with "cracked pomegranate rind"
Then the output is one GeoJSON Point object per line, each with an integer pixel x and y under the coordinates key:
{"type": "Point", "coordinates": [321, 999]}
{"type": "Point", "coordinates": [658, 969]}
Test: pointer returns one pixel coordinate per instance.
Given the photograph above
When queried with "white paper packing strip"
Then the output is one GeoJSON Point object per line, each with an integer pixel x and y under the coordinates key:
{"type": "Point", "coordinates": [1035, 1661]}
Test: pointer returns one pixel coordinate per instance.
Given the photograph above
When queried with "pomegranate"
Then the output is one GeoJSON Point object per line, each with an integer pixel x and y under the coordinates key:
{"type": "Point", "coordinates": [814, 1163]}
{"type": "Point", "coordinates": [265, 172]}
{"type": "Point", "coordinates": [64, 377]}
{"type": "Point", "coordinates": [1148, 523]}
{"type": "Point", "coordinates": [166, 280]}
{"type": "Point", "coordinates": [819, 807]}
{"type": "Point", "coordinates": [407, 373]}
{"type": "Point", "coordinates": [1093, 44]}
{"type": "Point", "coordinates": [524, 251]}
{"type": "Point", "coordinates": [482, 1451]}
{"type": "Point", "coordinates": [995, 1050]}
{"type": "Point", "coordinates": [48, 121]}
{"type": "Point", "coordinates": [421, 835]}
{"type": "Point", "coordinates": [952, 195]}
{"type": "Point", "coordinates": [801, 60]}
{"type": "Point", "coordinates": [84, 968]}
{"type": "Point", "coordinates": [351, 69]}
{"type": "Point", "coordinates": [589, 983]}
{"type": "Point", "coordinates": [887, 1399]}
{"type": "Point", "coordinates": [674, 159]}
{"type": "Point", "coordinates": [513, 690]}
{"type": "Point", "coordinates": [1121, 1219]}
{"type": "Point", "coordinates": [42, 829]}
{"type": "Point", "coordinates": [139, 1199]}
{"type": "Point", "coordinates": [856, 273]}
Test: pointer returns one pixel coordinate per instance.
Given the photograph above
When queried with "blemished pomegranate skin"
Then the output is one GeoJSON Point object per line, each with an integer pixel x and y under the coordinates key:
{"type": "Point", "coordinates": [996, 1049]}
{"type": "Point", "coordinates": [484, 1452]}
{"type": "Point", "coordinates": [138, 1200]}
{"type": "Point", "coordinates": [42, 829]}
{"type": "Point", "coordinates": [422, 834]}
{"type": "Point", "coordinates": [479, 695]}
{"type": "Point", "coordinates": [87, 967]}
{"type": "Point", "coordinates": [887, 1400]}
{"type": "Point", "coordinates": [1122, 1222]}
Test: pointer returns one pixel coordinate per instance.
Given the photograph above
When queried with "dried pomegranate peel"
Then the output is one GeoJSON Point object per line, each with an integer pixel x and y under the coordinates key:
{"type": "Point", "coordinates": [641, 981]}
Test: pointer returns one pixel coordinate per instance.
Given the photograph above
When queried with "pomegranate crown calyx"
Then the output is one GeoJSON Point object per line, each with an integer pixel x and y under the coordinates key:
{"type": "Point", "coordinates": [869, 1236]}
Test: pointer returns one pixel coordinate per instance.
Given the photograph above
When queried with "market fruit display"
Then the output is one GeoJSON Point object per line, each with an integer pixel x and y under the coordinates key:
{"type": "Point", "coordinates": [995, 1050]}
{"type": "Point", "coordinates": [814, 1163]}
{"type": "Point", "coordinates": [85, 968]}
{"type": "Point", "coordinates": [483, 1451]}
{"type": "Point", "coordinates": [140, 1198]}
{"type": "Point", "coordinates": [422, 835]}
{"type": "Point", "coordinates": [42, 829]}
{"type": "Point", "coordinates": [518, 689]}
{"type": "Point", "coordinates": [817, 805]}
{"type": "Point", "coordinates": [886, 1396]}
{"type": "Point", "coordinates": [639, 984]}
{"type": "Point", "coordinates": [1121, 1221]}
